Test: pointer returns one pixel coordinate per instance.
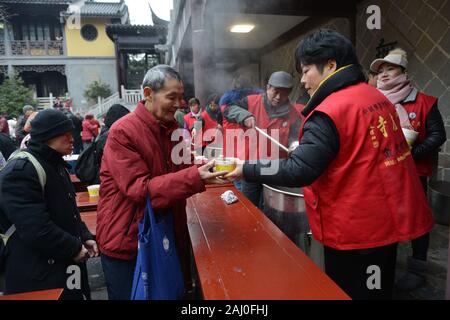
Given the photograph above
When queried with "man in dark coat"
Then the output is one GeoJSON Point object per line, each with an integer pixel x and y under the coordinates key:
{"type": "Point", "coordinates": [7, 146]}
{"type": "Point", "coordinates": [114, 113]}
{"type": "Point", "coordinates": [51, 244]}
{"type": "Point", "coordinates": [20, 133]}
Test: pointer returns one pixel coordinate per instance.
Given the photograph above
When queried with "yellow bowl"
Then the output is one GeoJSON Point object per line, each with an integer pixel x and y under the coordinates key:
{"type": "Point", "coordinates": [225, 164]}
{"type": "Point", "coordinates": [93, 190]}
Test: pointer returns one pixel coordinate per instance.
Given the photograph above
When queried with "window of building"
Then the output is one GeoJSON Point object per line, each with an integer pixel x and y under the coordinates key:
{"type": "Point", "coordinates": [89, 32]}
{"type": "Point", "coordinates": [37, 29]}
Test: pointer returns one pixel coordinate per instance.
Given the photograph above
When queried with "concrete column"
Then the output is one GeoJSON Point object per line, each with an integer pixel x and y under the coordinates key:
{"type": "Point", "coordinates": [203, 49]}
{"type": "Point", "coordinates": [8, 49]}
{"type": "Point", "coordinates": [63, 33]}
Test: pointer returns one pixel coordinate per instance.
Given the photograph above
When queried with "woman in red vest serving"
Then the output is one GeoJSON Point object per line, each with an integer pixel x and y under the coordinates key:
{"type": "Point", "coordinates": [362, 193]}
{"type": "Point", "coordinates": [424, 130]}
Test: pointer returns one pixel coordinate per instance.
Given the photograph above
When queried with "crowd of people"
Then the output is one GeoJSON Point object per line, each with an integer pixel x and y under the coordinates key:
{"type": "Point", "coordinates": [17, 131]}
{"type": "Point", "coordinates": [364, 183]}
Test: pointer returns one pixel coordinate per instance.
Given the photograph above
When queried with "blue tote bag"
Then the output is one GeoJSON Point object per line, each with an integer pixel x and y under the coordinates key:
{"type": "Point", "coordinates": [158, 274]}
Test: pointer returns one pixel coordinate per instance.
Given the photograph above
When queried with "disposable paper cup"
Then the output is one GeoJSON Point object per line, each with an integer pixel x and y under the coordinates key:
{"type": "Point", "coordinates": [410, 136]}
{"type": "Point", "coordinates": [93, 190]}
{"type": "Point", "coordinates": [225, 164]}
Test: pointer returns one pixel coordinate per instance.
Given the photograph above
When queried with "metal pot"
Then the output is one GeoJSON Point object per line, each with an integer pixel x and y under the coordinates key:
{"type": "Point", "coordinates": [439, 198]}
{"type": "Point", "coordinates": [285, 207]}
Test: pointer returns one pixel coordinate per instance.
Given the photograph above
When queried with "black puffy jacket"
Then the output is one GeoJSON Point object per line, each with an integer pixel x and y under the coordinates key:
{"type": "Point", "coordinates": [49, 232]}
{"type": "Point", "coordinates": [435, 137]}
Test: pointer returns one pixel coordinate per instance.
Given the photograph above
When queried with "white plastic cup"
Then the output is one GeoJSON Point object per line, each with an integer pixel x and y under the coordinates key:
{"type": "Point", "coordinates": [410, 136]}
{"type": "Point", "coordinates": [93, 190]}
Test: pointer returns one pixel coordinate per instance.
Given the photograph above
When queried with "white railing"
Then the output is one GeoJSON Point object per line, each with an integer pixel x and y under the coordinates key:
{"type": "Point", "coordinates": [45, 102]}
{"type": "Point", "coordinates": [131, 96]}
{"type": "Point", "coordinates": [103, 105]}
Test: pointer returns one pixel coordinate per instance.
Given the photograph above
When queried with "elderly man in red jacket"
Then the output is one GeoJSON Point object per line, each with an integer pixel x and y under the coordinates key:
{"type": "Point", "coordinates": [137, 162]}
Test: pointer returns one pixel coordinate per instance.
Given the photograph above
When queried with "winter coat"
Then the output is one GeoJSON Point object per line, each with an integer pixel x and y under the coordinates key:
{"type": "Point", "coordinates": [136, 163]}
{"type": "Point", "coordinates": [114, 113]}
{"type": "Point", "coordinates": [20, 133]}
{"type": "Point", "coordinates": [7, 146]}
{"type": "Point", "coordinates": [426, 119]}
{"type": "Point", "coordinates": [49, 232]}
{"type": "Point", "coordinates": [4, 127]}
{"type": "Point", "coordinates": [90, 130]}
{"type": "Point", "coordinates": [77, 127]}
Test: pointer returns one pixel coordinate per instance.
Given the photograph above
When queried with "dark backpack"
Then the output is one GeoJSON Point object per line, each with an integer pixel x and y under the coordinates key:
{"type": "Point", "coordinates": [87, 166]}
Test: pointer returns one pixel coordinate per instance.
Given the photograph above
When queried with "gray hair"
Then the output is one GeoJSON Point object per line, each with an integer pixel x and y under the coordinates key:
{"type": "Point", "coordinates": [156, 77]}
{"type": "Point", "coordinates": [27, 108]}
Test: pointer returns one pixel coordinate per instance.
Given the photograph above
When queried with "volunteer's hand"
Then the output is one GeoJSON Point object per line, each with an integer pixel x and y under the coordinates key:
{"type": "Point", "coordinates": [237, 173]}
{"type": "Point", "coordinates": [82, 256]}
{"type": "Point", "coordinates": [211, 177]}
{"type": "Point", "coordinates": [92, 248]}
{"type": "Point", "coordinates": [250, 122]}
{"type": "Point", "coordinates": [293, 146]}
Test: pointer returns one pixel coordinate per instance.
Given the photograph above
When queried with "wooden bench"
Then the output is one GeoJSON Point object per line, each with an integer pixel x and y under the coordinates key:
{"type": "Point", "coordinates": [86, 203]}
{"type": "Point", "coordinates": [90, 218]}
{"type": "Point", "coordinates": [53, 294]}
{"type": "Point", "coordinates": [240, 254]}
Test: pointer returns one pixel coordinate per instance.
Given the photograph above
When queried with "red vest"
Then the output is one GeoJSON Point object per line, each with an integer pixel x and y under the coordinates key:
{"type": "Point", "coordinates": [299, 107]}
{"type": "Point", "coordinates": [261, 147]}
{"type": "Point", "coordinates": [418, 111]}
{"type": "Point", "coordinates": [209, 123]}
{"type": "Point", "coordinates": [370, 195]}
{"type": "Point", "coordinates": [229, 127]}
{"type": "Point", "coordinates": [189, 119]}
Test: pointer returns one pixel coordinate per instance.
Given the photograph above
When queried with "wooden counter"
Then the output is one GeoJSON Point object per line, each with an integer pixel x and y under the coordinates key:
{"type": "Point", "coordinates": [90, 218]}
{"type": "Point", "coordinates": [86, 203]}
{"type": "Point", "coordinates": [240, 254]}
{"type": "Point", "coordinates": [79, 186]}
{"type": "Point", "coordinates": [54, 294]}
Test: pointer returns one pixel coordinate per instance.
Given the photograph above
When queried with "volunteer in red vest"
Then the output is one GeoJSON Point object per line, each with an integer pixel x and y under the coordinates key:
{"type": "Point", "coordinates": [271, 110]}
{"type": "Point", "coordinates": [424, 129]}
{"type": "Point", "coordinates": [362, 193]}
{"type": "Point", "coordinates": [192, 120]}
{"type": "Point", "coordinates": [194, 115]}
{"type": "Point", "coordinates": [210, 119]}
{"type": "Point", "coordinates": [241, 88]}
